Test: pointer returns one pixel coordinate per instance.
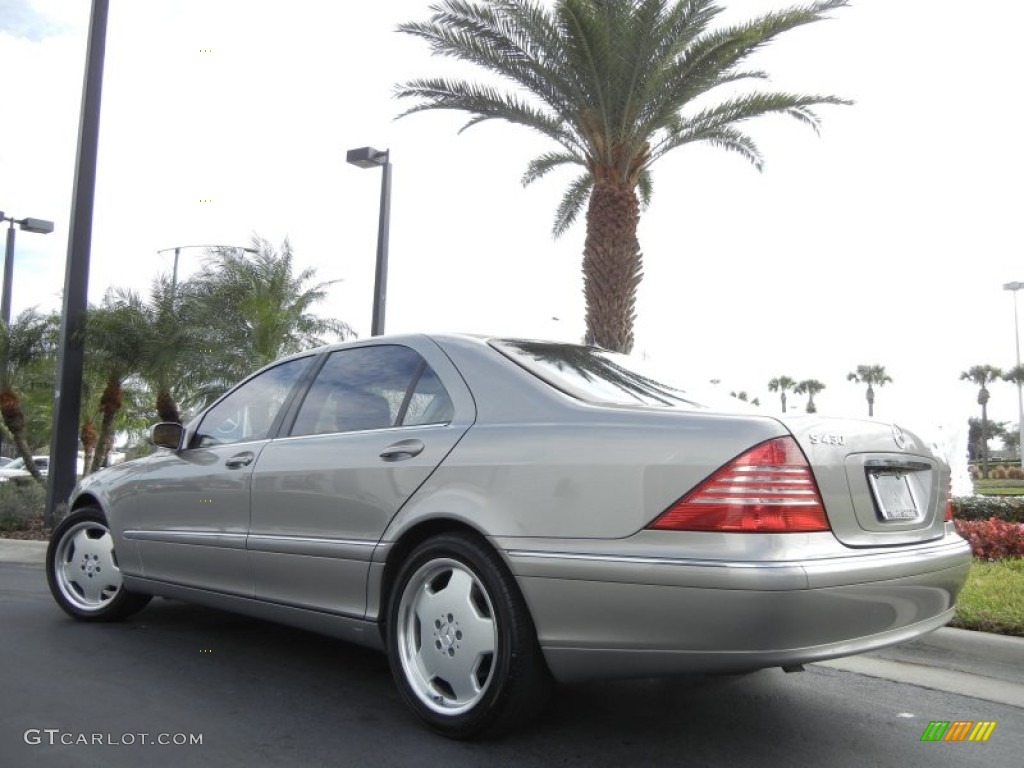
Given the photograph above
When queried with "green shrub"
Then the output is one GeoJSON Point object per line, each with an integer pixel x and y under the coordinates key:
{"type": "Point", "coordinates": [20, 503]}
{"type": "Point", "coordinates": [1008, 508]}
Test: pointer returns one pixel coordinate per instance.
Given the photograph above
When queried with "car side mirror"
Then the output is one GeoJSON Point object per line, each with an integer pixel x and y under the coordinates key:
{"type": "Point", "coordinates": [167, 434]}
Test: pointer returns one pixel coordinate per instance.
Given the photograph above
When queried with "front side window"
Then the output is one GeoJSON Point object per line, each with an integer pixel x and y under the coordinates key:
{"type": "Point", "coordinates": [369, 388]}
{"type": "Point", "coordinates": [249, 412]}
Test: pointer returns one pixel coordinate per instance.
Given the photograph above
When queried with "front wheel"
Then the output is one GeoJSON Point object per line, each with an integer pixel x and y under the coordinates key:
{"type": "Point", "coordinates": [82, 570]}
{"type": "Point", "coordinates": [461, 644]}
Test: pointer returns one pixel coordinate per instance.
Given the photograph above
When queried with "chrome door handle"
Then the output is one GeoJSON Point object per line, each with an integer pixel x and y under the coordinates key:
{"type": "Point", "coordinates": [403, 449]}
{"type": "Point", "coordinates": [240, 460]}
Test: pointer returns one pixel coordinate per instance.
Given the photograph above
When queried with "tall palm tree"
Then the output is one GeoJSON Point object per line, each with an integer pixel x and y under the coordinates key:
{"type": "Point", "coordinates": [982, 376]}
{"type": "Point", "coordinates": [872, 375]}
{"type": "Point", "coordinates": [1015, 376]}
{"type": "Point", "coordinates": [809, 387]}
{"type": "Point", "coordinates": [255, 308]}
{"type": "Point", "coordinates": [25, 361]}
{"type": "Point", "coordinates": [614, 83]}
{"type": "Point", "coordinates": [780, 385]}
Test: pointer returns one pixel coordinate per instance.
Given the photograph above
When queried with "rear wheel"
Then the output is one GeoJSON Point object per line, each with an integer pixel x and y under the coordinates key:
{"type": "Point", "coordinates": [461, 643]}
{"type": "Point", "coordinates": [82, 570]}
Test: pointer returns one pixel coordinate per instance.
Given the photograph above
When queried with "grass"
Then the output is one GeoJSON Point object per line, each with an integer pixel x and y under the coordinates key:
{"type": "Point", "coordinates": [993, 598]}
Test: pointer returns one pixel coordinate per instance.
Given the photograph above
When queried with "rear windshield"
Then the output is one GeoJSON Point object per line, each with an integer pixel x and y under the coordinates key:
{"type": "Point", "coordinates": [595, 375]}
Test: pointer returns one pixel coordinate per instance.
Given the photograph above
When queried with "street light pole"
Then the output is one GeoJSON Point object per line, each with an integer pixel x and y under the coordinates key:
{"type": "Point", "coordinates": [368, 157]}
{"type": "Point", "coordinates": [40, 226]}
{"type": "Point", "coordinates": [1014, 287]}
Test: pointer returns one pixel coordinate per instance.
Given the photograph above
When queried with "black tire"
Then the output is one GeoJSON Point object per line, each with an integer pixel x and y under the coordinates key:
{"type": "Point", "coordinates": [82, 571]}
{"type": "Point", "coordinates": [472, 666]}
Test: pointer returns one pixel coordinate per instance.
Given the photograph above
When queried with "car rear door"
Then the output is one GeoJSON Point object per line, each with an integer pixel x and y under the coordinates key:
{"type": "Point", "coordinates": [373, 426]}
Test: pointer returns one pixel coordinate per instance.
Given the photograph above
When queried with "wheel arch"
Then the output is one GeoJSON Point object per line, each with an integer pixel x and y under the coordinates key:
{"type": "Point", "coordinates": [405, 544]}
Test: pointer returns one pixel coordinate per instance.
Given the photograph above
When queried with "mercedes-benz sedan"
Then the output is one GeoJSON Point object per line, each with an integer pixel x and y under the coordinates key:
{"type": "Point", "coordinates": [496, 513]}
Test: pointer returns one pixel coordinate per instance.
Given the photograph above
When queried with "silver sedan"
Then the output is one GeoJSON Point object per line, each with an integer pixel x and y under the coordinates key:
{"type": "Point", "coordinates": [496, 514]}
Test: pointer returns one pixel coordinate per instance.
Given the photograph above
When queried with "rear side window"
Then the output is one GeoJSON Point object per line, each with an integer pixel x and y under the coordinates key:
{"type": "Point", "coordinates": [372, 388]}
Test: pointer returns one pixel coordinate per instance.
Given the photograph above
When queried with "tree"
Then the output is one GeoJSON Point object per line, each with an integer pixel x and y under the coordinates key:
{"type": "Point", "coordinates": [992, 430]}
{"type": "Point", "coordinates": [254, 309]}
{"type": "Point", "coordinates": [872, 375]}
{"type": "Point", "coordinates": [116, 339]}
{"type": "Point", "coordinates": [780, 385]}
{"type": "Point", "coordinates": [614, 84]}
{"type": "Point", "coordinates": [26, 346]}
{"type": "Point", "coordinates": [809, 387]}
{"type": "Point", "coordinates": [982, 376]}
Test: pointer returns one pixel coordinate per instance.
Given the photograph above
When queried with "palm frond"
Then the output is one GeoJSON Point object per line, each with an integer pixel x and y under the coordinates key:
{"type": "Point", "coordinates": [576, 196]}
{"type": "Point", "coordinates": [540, 166]}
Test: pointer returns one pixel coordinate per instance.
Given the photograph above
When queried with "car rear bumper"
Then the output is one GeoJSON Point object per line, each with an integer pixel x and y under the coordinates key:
{"type": "Point", "coordinates": [600, 615]}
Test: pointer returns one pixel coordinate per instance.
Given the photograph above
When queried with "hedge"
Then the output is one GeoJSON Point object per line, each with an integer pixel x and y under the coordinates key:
{"type": "Point", "coordinates": [1008, 508]}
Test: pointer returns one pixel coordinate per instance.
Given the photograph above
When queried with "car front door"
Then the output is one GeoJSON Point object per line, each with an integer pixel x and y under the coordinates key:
{"type": "Point", "coordinates": [374, 425]}
{"type": "Point", "coordinates": [191, 513]}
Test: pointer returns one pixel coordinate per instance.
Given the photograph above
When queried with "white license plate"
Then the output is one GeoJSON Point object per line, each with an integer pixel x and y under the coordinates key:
{"type": "Point", "coordinates": [893, 496]}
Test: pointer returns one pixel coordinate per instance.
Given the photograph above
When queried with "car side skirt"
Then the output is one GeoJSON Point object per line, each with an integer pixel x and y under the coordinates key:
{"type": "Point", "coordinates": [348, 628]}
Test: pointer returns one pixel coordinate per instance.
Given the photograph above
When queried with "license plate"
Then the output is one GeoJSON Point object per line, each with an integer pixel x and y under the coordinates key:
{"type": "Point", "coordinates": [893, 496]}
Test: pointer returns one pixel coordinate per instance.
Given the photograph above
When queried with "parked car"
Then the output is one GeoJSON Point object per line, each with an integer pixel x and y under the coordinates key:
{"type": "Point", "coordinates": [15, 471]}
{"type": "Point", "coordinates": [496, 513]}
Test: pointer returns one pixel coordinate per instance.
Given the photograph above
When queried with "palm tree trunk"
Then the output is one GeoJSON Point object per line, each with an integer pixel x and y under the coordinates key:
{"type": "Point", "coordinates": [984, 439]}
{"type": "Point", "coordinates": [167, 408]}
{"type": "Point", "coordinates": [14, 420]}
{"type": "Point", "coordinates": [110, 404]}
{"type": "Point", "coordinates": [88, 437]}
{"type": "Point", "coordinates": [612, 265]}
{"type": "Point", "coordinates": [871, 402]}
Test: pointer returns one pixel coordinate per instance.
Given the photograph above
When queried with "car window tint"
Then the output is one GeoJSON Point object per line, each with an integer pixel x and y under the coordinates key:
{"type": "Point", "coordinates": [359, 389]}
{"type": "Point", "coordinates": [249, 411]}
{"type": "Point", "coordinates": [430, 402]}
{"type": "Point", "coordinates": [594, 375]}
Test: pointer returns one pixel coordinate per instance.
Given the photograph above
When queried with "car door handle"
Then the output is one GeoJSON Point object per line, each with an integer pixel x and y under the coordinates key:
{"type": "Point", "coordinates": [240, 460]}
{"type": "Point", "coordinates": [403, 449]}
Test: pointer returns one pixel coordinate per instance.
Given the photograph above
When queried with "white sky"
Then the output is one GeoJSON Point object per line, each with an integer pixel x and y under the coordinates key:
{"type": "Point", "coordinates": [885, 240]}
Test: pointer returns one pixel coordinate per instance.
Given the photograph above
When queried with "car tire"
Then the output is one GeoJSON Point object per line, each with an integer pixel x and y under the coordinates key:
{"type": "Point", "coordinates": [82, 570]}
{"type": "Point", "coordinates": [461, 643]}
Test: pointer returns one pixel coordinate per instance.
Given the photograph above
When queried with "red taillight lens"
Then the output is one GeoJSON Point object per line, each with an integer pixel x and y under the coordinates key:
{"type": "Point", "coordinates": [948, 517]}
{"type": "Point", "coordinates": [768, 489]}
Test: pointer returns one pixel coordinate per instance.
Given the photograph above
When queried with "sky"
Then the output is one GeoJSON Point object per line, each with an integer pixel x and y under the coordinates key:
{"type": "Point", "coordinates": [884, 240]}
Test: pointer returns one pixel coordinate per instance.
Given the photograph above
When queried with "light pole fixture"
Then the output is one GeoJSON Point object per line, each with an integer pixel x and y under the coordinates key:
{"type": "Point", "coordinates": [1020, 393]}
{"type": "Point", "coordinates": [39, 226]}
{"type": "Point", "coordinates": [368, 157]}
{"type": "Point", "coordinates": [179, 248]}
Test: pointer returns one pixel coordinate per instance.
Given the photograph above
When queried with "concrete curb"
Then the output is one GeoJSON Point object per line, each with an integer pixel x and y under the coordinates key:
{"type": "Point", "coordinates": [1009, 650]}
{"type": "Point", "coordinates": [22, 552]}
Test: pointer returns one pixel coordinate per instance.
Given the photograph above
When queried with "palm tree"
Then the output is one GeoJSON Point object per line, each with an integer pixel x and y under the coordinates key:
{"type": "Point", "coordinates": [614, 84]}
{"type": "Point", "coordinates": [116, 338]}
{"type": "Point", "coordinates": [1015, 376]}
{"type": "Point", "coordinates": [255, 309]}
{"type": "Point", "coordinates": [982, 376]}
{"type": "Point", "coordinates": [25, 348]}
{"type": "Point", "coordinates": [809, 387]}
{"type": "Point", "coordinates": [872, 375]}
{"type": "Point", "coordinates": [780, 385]}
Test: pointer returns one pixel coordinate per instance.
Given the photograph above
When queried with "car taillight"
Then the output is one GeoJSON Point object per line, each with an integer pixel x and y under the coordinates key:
{"type": "Point", "coordinates": [948, 516]}
{"type": "Point", "coordinates": [768, 489]}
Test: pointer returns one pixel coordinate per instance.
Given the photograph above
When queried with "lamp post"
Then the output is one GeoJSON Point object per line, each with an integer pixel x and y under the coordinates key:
{"type": "Point", "coordinates": [40, 226]}
{"type": "Point", "coordinates": [368, 157]}
{"type": "Point", "coordinates": [1020, 394]}
{"type": "Point", "coordinates": [177, 253]}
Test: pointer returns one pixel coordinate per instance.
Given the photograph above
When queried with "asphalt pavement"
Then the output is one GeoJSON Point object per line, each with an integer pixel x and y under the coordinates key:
{"type": "Point", "coordinates": [974, 664]}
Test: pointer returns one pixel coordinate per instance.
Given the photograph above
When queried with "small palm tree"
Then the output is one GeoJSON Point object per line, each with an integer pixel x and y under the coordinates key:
{"type": "Point", "coordinates": [982, 376]}
{"type": "Point", "coordinates": [116, 340]}
{"type": "Point", "coordinates": [872, 375]}
{"type": "Point", "coordinates": [780, 384]}
{"type": "Point", "coordinates": [1015, 376]}
{"type": "Point", "coordinates": [254, 308]}
{"type": "Point", "coordinates": [809, 387]}
{"type": "Point", "coordinates": [616, 85]}
{"type": "Point", "coordinates": [25, 360]}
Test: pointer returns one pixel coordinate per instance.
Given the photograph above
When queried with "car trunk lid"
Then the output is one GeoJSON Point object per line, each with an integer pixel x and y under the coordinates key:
{"type": "Point", "coordinates": [881, 484]}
